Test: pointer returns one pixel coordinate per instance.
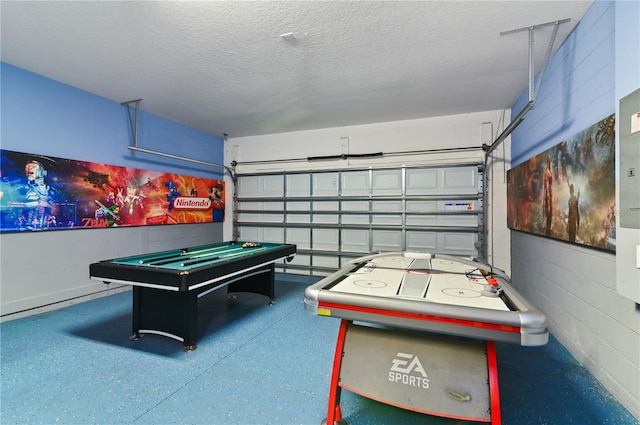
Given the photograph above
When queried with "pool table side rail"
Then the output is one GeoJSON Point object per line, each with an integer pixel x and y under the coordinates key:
{"type": "Point", "coordinates": [109, 271]}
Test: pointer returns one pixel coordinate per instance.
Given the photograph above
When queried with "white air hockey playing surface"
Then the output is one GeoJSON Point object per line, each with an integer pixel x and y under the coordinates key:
{"type": "Point", "coordinates": [429, 292]}
{"type": "Point", "coordinates": [437, 280]}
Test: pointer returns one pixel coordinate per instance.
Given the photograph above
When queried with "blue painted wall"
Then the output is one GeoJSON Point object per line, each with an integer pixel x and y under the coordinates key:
{"type": "Point", "coordinates": [46, 270]}
{"type": "Point", "coordinates": [43, 116]}
{"type": "Point", "coordinates": [577, 90]}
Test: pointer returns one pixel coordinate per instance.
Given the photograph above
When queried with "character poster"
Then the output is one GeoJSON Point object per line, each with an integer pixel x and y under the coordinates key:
{"type": "Point", "coordinates": [47, 193]}
{"type": "Point", "coordinates": [568, 191]}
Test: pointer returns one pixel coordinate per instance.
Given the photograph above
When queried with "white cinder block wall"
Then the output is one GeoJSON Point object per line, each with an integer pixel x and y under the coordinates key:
{"type": "Point", "coordinates": [577, 287]}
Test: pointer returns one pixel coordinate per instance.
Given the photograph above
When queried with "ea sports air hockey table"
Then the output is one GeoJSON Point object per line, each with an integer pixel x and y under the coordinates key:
{"type": "Point", "coordinates": [168, 284]}
{"type": "Point", "coordinates": [417, 331]}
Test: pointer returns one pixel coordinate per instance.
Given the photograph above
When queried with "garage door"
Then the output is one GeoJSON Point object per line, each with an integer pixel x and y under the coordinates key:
{"type": "Point", "coordinates": [337, 215]}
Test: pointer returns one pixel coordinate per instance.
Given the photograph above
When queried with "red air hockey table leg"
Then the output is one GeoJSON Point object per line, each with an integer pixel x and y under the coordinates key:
{"type": "Point", "coordinates": [334, 414]}
{"type": "Point", "coordinates": [494, 391]}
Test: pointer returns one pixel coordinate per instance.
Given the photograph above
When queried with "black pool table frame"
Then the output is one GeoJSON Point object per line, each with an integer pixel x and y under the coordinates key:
{"type": "Point", "coordinates": [165, 300]}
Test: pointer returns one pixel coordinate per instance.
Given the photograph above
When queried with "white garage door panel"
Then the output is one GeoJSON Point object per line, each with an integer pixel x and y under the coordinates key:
{"type": "Point", "coordinates": [387, 220]}
{"type": "Point", "coordinates": [422, 241]}
{"type": "Point", "coordinates": [298, 185]}
{"type": "Point", "coordinates": [387, 240]}
{"type": "Point", "coordinates": [422, 181]}
{"type": "Point", "coordinates": [355, 240]}
{"type": "Point", "coordinates": [299, 218]}
{"type": "Point", "coordinates": [355, 206]}
{"type": "Point", "coordinates": [325, 219]}
{"type": "Point", "coordinates": [443, 220]}
{"type": "Point", "coordinates": [386, 182]}
{"type": "Point", "coordinates": [300, 237]}
{"type": "Point", "coordinates": [386, 206]}
{"type": "Point", "coordinates": [326, 261]}
{"type": "Point", "coordinates": [462, 180]}
{"type": "Point", "coordinates": [355, 183]}
{"type": "Point", "coordinates": [258, 218]}
{"type": "Point", "coordinates": [322, 206]}
{"type": "Point", "coordinates": [301, 260]}
{"type": "Point", "coordinates": [325, 239]}
{"type": "Point", "coordinates": [325, 184]}
{"type": "Point", "coordinates": [458, 242]}
{"type": "Point", "coordinates": [325, 206]}
{"type": "Point", "coordinates": [261, 234]}
{"type": "Point", "coordinates": [250, 234]}
{"type": "Point", "coordinates": [273, 234]}
{"type": "Point", "coordinates": [261, 186]}
{"type": "Point", "coordinates": [355, 219]}
{"type": "Point", "coordinates": [249, 186]}
{"type": "Point", "coordinates": [272, 206]}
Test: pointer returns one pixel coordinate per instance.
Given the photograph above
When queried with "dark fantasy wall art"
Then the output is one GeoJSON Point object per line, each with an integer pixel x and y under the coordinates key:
{"type": "Point", "coordinates": [39, 192]}
{"type": "Point", "coordinates": [568, 191]}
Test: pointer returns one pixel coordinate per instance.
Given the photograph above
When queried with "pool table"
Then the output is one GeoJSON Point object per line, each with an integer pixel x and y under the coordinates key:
{"type": "Point", "coordinates": [167, 285]}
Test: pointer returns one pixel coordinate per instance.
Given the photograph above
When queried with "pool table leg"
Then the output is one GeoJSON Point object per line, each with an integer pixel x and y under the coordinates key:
{"type": "Point", "coordinates": [260, 281]}
{"type": "Point", "coordinates": [172, 314]}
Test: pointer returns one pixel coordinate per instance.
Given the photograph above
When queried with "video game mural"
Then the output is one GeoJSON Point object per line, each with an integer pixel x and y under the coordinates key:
{"type": "Point", "coordinates": [46, 193]}
{"type": "Point", "coordinates": [568, 191]}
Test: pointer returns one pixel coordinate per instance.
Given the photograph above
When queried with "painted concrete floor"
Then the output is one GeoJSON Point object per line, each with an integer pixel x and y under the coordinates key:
{"type": "Point", "coordinates": [255, 364]}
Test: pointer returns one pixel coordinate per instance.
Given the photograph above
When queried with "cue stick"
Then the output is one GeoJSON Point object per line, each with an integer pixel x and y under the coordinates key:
{"type": "Point", "coordinates": [176, 256]}
{"type": "Point", "coordinates": [204, 260]}
{"type": "Point", "coordinates": [191, 263]}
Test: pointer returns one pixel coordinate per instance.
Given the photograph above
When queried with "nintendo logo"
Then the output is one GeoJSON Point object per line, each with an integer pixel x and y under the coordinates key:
{"type": "Point", "coordinates": [188, 203]}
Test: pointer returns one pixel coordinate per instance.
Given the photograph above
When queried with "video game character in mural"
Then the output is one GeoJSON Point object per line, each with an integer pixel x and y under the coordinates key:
{"type": "Point", "coordinates": [133, 199]}
{"type": "Point", "coordinates": [37, 194]}
{"type": "Point", "coordinates": [217, 202]}
{"type": "Point", "coordinates": [573, 219]}
{"type": "Point", "coordinates": [110, 214]}
{"type": "Point", "coordinates": [172, 195]}
{"type": "Point", "coordinates": [548, 196]}
{"type": "Point", "coordinates": [97, 180]}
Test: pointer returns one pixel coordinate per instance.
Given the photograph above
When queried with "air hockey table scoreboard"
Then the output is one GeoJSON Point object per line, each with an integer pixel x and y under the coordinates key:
{"type": "Point", "coordinates": [426, 325]}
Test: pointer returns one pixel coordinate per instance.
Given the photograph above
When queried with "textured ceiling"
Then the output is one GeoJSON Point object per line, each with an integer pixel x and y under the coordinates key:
{"type": "Point", "coordinates": [225, 67]}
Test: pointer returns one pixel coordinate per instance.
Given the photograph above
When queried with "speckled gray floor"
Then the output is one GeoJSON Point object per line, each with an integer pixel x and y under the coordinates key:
{"type": "Point", "coordinates": [255, 364]}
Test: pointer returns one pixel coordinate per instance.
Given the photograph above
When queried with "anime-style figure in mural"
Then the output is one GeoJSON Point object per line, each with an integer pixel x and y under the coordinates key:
{"type": "Point", "coordinates": [36, 197]}
{"type": "Point", "coordinates": [216, 194]}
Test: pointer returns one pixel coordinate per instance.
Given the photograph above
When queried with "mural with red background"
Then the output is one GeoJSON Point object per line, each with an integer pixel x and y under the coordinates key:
{"type": "Point", "coordinates": [47, 193]}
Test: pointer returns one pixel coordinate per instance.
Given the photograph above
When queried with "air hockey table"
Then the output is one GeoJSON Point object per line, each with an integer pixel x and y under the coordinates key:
{"type": "Point", "coordinates": [417, 331]}
{"type": "Point", "coordinates": [167, 285]}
